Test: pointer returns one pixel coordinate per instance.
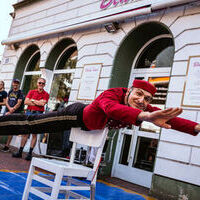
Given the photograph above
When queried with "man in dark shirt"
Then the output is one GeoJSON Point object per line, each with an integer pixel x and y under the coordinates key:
{"type": "Point", "coordinates": [14, 104]}
{"type": "Point", "coordinates": [116, 108]}
{"type": "Point", "coordinates": [3, 95]}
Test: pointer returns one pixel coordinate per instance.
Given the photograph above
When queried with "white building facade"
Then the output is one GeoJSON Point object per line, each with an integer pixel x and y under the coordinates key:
{"type": "Point", "coordinates": [153, 40]}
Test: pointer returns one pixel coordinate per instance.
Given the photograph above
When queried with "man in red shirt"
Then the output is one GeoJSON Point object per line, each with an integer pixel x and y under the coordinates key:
{"type": "Point", "coordinates": [36, 100]}
{"type": "Point", "coordinates": [115, 108]}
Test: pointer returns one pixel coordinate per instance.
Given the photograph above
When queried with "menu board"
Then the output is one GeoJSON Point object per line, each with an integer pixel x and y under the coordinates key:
{"type": "Point", "coordinates": [89, 81]}
{"type": "Point", "coordinates": [191, 94]}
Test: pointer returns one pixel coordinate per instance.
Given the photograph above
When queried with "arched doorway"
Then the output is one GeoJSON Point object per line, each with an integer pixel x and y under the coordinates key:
{"type": "Point", "coordinates": [146, 53]}
{"type": "Point", "coordinates": [60, 68]}
{"type": "Point", "coordinates": [28, 71]}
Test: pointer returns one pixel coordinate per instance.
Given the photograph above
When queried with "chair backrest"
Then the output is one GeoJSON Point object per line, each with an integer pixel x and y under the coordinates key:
{"type": "Point", "coordinates": [89, 138]}
{"type": "Point", "coordinates": [94, 138]}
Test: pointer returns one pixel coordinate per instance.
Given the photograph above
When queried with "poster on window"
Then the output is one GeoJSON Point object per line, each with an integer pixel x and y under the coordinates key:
{"type": "Point", "coordinates": [89, 81]}
{"type": "Point", "coordinates": [191, 94]}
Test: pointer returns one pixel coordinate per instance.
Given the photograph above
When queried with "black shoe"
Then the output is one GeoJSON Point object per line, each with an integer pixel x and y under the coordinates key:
{"type": "Point", "coordinates": [17, 155]}
{"type": "Point", "coordinates": [28, 157]}
{"type": "Point", "coordinates": [5, 149]}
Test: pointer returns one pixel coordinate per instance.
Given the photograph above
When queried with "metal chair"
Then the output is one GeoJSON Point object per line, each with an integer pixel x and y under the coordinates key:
{"type": "Point", "coordinates": [62, 170]}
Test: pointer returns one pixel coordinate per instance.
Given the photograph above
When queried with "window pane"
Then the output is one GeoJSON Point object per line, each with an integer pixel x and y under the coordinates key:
{"type": "Point", "coordinates": [58, 143]}
{"type": "Point", "coordinates": [60, 90]}
{"type": "Point", "coordinates": [161, 84]}
{"type": "Point", "coordinates": [68, 60]}
{"type": "Point", "coordinates": [158, 54]}
{"type": "Point", "coordinates": [145, 153]}
{"type": "Point", "coordinates": [125, 149]}
{"type": "Point", "coordinates": [34, 63]}
{"type": "Point", "coordinates": [30, 83]}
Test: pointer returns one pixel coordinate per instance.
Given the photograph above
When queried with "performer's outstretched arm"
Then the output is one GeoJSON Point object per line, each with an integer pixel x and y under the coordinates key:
{"type": "Point", "coordinates": [160, 117]}
{"type": "Point", "coordinates": [168, 119]}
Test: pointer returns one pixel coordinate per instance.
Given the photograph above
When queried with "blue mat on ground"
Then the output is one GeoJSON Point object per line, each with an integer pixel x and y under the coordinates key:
{"type": "Point", "coordinates": [12, 187]}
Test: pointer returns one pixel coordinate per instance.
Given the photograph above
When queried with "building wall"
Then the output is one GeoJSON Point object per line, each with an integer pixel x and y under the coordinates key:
{"type": "Point", "coordinates": [94, 44]}
{"type": "Point", "coordinates": [47, 15]}
{"type": "Point", "coordinates": [177, 153]}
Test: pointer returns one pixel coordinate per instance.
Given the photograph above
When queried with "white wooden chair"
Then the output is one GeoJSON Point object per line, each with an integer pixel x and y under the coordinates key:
{"type": "Point", "coordinates": [62, 170]}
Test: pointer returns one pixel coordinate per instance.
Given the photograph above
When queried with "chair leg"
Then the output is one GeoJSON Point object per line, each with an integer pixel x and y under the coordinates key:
{"type": "Point", "coordinates": [56, 185]}
{"type": "Point", "coordinates": [69, 179]}
{"type": "Point", "coordinates": [92, 192]}
{"type": "Point", "coordinates": [28, 183]}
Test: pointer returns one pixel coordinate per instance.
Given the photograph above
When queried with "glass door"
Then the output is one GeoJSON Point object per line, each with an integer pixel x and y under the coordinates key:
{"type": "Point", "coordinates": [135, 159]}
{"type": "Point", "coordinates": [136, 148]}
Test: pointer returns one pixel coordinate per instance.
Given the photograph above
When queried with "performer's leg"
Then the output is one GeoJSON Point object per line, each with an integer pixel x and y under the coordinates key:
{"type": "Point", "coordinates": [51, 122]}
{"type": "Point", "coordinates": [13, 124]}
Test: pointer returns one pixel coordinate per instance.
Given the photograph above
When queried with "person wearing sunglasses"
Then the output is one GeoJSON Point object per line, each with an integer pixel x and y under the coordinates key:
{"type": "Point", "coordinates": [115, 108]}
{"type": "Point", "coordinates": [36, 100]}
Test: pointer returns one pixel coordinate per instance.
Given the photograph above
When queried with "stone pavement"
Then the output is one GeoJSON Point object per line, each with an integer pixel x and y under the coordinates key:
{"type": "Point", "coordinates": [16, 165]}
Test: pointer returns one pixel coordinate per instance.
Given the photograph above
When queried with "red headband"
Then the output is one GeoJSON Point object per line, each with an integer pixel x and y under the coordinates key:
{"type": "Point", "coordinates": [145, 86]}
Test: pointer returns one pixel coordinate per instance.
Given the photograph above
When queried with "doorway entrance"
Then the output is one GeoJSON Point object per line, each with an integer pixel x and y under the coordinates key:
{"type": "Point", "coordinates": [61, 77]}
{"type": "Point", "coordinates": [137, 146]}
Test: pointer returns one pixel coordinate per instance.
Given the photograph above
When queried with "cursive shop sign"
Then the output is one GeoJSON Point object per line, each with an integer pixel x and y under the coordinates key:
{"type": "Point", "coordinates": [107, 3]}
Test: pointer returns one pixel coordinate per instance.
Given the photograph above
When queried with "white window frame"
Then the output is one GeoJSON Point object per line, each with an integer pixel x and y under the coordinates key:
{"type": "Point", "coordinates": [29, 73]}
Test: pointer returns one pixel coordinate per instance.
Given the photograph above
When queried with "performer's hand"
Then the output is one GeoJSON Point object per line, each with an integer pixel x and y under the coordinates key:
{"type": "Point", "coordinates": [160, 117]}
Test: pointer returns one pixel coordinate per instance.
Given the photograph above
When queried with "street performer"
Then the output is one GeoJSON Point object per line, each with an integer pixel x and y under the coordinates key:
{"type": "Point", "coordinates": [115, 108]}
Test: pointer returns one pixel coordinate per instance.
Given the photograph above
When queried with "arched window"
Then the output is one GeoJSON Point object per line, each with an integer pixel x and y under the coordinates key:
{"type": "Point", "coordinates": [159, 53]}
{"type": "Point", "coordinates": [32, 72]}
{"type": "Point", "coordinates": [61, 64]}
{"type": "Point", "coordinates": [63, 71]}
{"type": "Point", "coordinates": [68, 58]}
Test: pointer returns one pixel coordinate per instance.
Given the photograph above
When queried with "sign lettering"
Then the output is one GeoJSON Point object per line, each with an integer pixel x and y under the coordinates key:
{"type": "Point", "coordinates": [106, 3]}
